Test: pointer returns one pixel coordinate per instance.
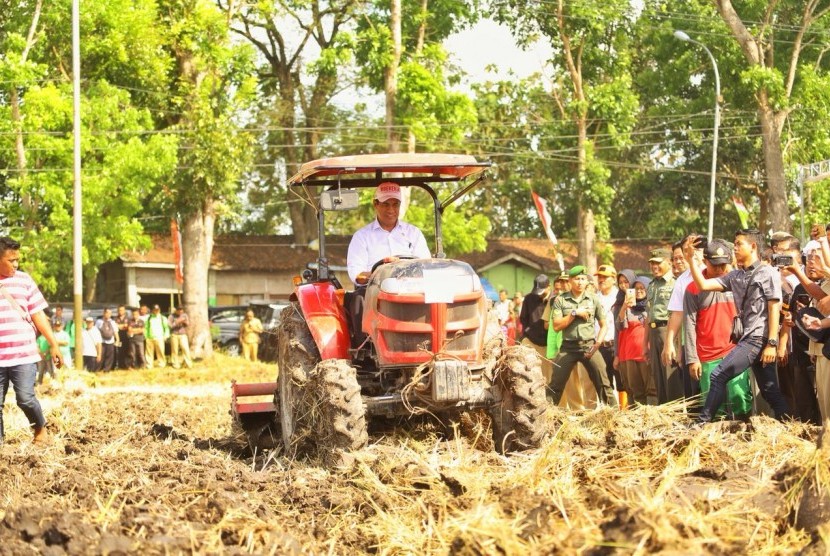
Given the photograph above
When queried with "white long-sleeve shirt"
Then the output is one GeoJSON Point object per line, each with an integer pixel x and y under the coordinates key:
{"type": "Point", "coordinates": [372, 243]}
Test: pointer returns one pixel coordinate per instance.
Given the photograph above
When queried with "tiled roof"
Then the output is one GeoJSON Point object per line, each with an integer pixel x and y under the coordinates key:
{"type": "Point", "coordinates": [632, 254]}
{"type": "Point", "coordinates": [279, 252]}
{"type": "Point", "coordinates": [256, 253]}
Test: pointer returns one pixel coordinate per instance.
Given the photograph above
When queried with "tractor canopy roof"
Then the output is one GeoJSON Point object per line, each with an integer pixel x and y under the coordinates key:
{"type": "Point", "coordinates": [368, 170]}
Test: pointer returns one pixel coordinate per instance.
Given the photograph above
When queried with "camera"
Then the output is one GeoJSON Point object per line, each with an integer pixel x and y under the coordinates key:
{"type": "Point", "coordinates": [700, 242]}
{"type": "Point", "coordinates": [781, 261]}
{"type": "Point", "coordinates": [803, 299]}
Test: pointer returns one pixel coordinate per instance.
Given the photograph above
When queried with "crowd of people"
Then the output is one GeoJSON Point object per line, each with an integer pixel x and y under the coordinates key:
{"type": "Point", "coordinates": [734, 327]}
{"type": "Point", "coordinates": [130, 339]}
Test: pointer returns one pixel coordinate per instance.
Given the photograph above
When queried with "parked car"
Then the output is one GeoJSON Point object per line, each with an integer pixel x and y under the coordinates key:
{"type": "Point", "coordinates": [225, 321]}
{"type": "Point", "coordinates": [224, 326]}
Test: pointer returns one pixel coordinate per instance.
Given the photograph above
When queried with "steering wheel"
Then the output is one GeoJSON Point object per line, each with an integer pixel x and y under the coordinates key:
{"type": "Point", "coordinates": [381, 262]}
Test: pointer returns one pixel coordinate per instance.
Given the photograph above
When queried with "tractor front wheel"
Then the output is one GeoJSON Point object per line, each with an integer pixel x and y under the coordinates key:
{"type": "Point", "coordinates": [519, 390]}
{"type": "Point", "coordinates": [337, 413]}
{"type": "Point", "coordinates": [297, 356]}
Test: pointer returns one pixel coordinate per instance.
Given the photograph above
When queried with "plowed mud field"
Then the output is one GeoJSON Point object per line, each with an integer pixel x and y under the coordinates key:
{"type": "Point", "coordinates": [149, 463]}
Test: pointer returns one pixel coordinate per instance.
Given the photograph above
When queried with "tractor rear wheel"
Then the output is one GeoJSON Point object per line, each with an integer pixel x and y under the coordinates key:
{"type": "Point", "coordinates": [519, 387]}
{"type": "Point", "coordinates": [297, 356]}
{"type": "Point", "coordinates": [337, 412]}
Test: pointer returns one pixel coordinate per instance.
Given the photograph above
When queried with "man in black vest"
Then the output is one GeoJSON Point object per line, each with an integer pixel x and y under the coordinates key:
{"type": "Point", "coordinates": [535, 334]}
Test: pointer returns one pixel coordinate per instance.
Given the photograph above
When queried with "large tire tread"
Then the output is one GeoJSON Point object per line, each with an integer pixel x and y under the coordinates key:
{"type": "Point", "coordinates": [297, 356]}
{"type": "Point", "coordinates": [341, 419]}
{"type": "Point", "coordinates": [520, 387]}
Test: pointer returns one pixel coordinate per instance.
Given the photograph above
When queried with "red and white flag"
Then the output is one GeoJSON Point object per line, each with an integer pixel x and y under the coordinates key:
{"type": "Point", "coordinates": [544, 216]}
{"type": "Point", "coordinates": [743, 213]}
{"type": "Point", "coordinates": [177, 251]}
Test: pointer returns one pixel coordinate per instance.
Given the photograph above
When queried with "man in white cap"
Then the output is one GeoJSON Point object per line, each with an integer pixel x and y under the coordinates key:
{"type": "Point", "coordinates": [384, 238]}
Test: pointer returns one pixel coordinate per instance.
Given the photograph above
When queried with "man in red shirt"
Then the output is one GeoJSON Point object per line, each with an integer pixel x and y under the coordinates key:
{"type": "Point", "coordinates": [708, 319]}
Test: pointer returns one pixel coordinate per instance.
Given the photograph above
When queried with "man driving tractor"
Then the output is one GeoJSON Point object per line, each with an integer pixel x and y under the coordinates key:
{"type": "Point", "coordinates": [386, 237]}
{"type": "Point", "coordinates": [425, 346]}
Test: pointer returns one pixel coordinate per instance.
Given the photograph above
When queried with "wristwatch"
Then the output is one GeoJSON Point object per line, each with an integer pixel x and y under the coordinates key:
{"type": "Point", "coordinates": [573, 313]}
{"type": "Point", "coordinates": [772, 342]}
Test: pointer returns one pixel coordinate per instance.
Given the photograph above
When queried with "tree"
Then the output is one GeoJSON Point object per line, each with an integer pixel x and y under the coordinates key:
{"type": "Point", "coordinates": [676, 85]}
{"type": "Point", "coordinates": [213, 84]}
{"type": "Point", "coordinates": [773, 66]}
{"type": "Point", "coordinates": [399, 51]}
{"type": "Point", "coordinates": [591, 91]}
{"type": "Point", "coordinates": [281, 32]}
{"type": "Point", "coordinates": [37, 189]}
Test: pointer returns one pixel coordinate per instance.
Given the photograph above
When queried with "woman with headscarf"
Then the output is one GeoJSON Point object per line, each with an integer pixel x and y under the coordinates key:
{"type": "Point", "coordinates": [630, 317]}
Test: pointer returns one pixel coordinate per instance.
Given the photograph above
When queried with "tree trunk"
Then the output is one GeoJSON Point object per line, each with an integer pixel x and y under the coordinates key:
{"type": "Point", "coordinates": [303, 219]}
{"type": "Point", "coordinates": [779, 214]}
{"type": "Point", "coordinates": [586, 229]}
{"type": "Point", "coordinates": [90, 285]}
{"type": "Point", "coordinates": [772, 122]}
{"type": "Point", "coordinates": [28, 202]}
{"type": "Point", "coordinates": [197, 247]}
{"type": "Point", "coordinates": [422, 28]}
{"type": "Point", "coordinates": [391, 78]}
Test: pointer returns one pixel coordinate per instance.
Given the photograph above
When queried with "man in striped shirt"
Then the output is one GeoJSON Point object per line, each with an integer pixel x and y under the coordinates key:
{"type": "Point", "coordinates": [21, 317]}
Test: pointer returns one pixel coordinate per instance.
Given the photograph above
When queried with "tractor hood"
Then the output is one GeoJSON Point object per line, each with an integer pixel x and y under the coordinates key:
{"type": "Point", "coordinates": [439, 280]}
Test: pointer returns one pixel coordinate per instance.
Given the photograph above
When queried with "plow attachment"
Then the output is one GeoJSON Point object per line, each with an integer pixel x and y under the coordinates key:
{"type": "Point", "coordinates": [253, 406]}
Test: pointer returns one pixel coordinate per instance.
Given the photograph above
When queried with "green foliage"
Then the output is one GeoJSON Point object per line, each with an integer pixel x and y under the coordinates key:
{"type": "Point", "coordinates": [431, 111]}
{"type": "Point", "coordinates": [425, 105]}
{"type": "Point", "coordinates": [771, 80]}
{"type": "Point", "coordinates": [594, 36]}
{"type": "Point", "coordinates": [463, 230]}
{"type": "Point", "coordinates": [374, 53]}
{"type": "Point", "coordinates": [214, 86]}
{"type": "Point", "coordinates": [121, 166]}
{"type": "Point", "coordinates": [819, 212]}
{"type": "Point", "coordinates": [340, 53]}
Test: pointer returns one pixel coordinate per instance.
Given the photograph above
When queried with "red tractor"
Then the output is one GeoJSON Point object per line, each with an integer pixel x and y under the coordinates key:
{"type": "Point", "coordinates": [426, 321]}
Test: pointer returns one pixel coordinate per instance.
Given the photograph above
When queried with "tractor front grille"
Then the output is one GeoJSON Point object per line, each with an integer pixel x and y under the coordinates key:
{"type": "Point", "coordinates": [405, 312]}
{"type": "Point", "coordinates": [462, 310]}
{"type": "Point", "coordinates": [408, 341]}
{"type": "Point", "coordinates": [462, 341]}
{"type": "Point", "coordinates": [412, 328]}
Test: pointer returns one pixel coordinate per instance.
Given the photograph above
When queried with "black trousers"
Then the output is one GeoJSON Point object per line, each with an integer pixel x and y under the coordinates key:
{"type": "Point", "coordinates": [354, 311]}
{"type": "Point", "coordinates": [564, 364]}
{"type": "Point", "coordinates": [91, 363]}
{"type": "Point", "coordinates": [107, 357]}
{"type": "Point", "coordinates": [747, 353]}
{"type": "Point", "coordinates": [614, 378]}
{"type": "Point", "coordinates": [136, 355]}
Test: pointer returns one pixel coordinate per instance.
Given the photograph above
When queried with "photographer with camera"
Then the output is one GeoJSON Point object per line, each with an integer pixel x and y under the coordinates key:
{"type": "Point", "coordinates": [810, 298]}
{"type": "Point", "coordinates": [756, 288]}
{"type": "Point", "coordinates": [797, 373]}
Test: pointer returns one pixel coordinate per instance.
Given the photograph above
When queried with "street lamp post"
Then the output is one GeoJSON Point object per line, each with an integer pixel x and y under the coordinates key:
{"type": "Point", "coordinates": [686, 38]}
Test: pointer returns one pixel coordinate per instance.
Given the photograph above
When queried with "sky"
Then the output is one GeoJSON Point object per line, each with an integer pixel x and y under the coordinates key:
{"type": "Point", "coordinates": [485, 43]}
{"type": "Point", "coordinates": [488, 42]}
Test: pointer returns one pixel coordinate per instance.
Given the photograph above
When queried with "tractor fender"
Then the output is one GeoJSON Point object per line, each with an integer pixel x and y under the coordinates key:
{"type": "Point", "coordinates": [323, 310]}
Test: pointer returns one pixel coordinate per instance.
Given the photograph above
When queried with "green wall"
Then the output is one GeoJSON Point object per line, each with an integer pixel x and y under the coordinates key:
{"type": "Point", "coordinates": [512, 277]}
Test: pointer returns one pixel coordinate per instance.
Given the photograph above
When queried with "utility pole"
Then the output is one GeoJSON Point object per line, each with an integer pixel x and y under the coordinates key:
{"type": "Point", "coordinates": [77, 212]}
